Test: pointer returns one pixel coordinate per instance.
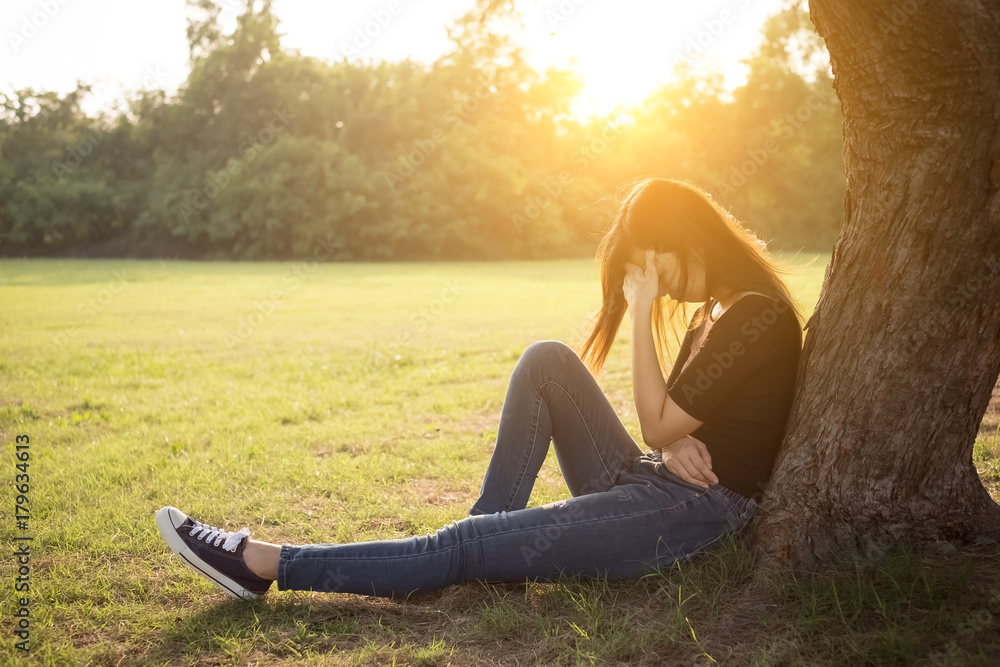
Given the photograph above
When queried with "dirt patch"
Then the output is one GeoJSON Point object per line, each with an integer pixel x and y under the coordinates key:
{"type": "Point", "coordinates": [483, 420]}
{"type": "Point", "coordinates": [443, 492]}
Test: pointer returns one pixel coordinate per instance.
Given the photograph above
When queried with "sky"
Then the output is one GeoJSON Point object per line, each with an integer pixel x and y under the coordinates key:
{"type": "Point", "coordinates": [623, 49]}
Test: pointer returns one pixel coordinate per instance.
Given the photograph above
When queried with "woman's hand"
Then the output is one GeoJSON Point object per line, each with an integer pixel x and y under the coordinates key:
{"type": "Point", "coordinates": [641, 286]}
{"type": "Point", "coordinates": [688, 458]}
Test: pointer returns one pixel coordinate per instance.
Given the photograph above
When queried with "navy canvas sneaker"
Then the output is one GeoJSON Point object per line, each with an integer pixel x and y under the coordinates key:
{"type": "Point", "coordinates": [213, 553]}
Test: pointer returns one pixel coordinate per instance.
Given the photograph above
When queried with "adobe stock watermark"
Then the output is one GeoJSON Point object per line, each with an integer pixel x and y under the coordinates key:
{"type": "Point", "coordinates": [34, 23]}
{"type": "Point", "coordinates": [76, 154]}
{"type": "Point", "coordinates": [153, 77]}
{"type": "Point", "coordinates": [246, 152]}
{"type": "Point", "coordinates": [291, 280]}
{"type": "Point", "coordinates": [406, 165]}
{"type": "Point", "coordinates": [722, 360]}
{"type": "Point", "coordinates": [963, 295]}
{"type": "Point", "coordinates": [333, 580]}
{"type": "Point", "coordinates": [604, 481]}
{"type": "Point", "coordinates": [974, 283]}
{"type": "Point", "coordinates": [925, 159]}
{"type": "Point", "coordinates": [552, 188]}
{"type": "Point", "coordinates": [899, 15]}
{"type": "Point", "coordinates": [92, 138]}
{"type": "Point", "coordinates": [757, 157]}
{"type": "Point", "coordinates": [563, 513]}
{"type": "Point", "coordinates": [712, 30]}
{"type": "Point", "coordinates": [366, 34]}
{"type": "Point", "coordinates": [421, 319]}
{"type": "Point", "coordinates": [971, 627]}
{"type": "Point", "coordinates": [560, 12]}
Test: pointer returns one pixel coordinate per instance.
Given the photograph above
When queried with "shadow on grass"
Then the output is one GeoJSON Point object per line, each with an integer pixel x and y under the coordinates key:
{"type": "Point", "coordinates": [570, 620]}
{"type": "Point", "coordinates": [427, 629]}
{"type": "Point", "coordinates": [908, 608]}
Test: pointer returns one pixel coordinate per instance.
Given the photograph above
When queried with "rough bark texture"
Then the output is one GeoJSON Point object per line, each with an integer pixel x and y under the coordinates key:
{"type": "Point", "coordinates": [903, 349]}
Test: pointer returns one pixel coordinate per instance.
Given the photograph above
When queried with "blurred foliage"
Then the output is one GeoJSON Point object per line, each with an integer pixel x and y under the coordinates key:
{"type": "Point", "coordinates": [264, 153]}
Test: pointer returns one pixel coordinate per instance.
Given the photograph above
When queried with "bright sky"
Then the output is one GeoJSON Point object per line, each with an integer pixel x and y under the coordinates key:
{"type": "Point", "coordinates": [623, 48]}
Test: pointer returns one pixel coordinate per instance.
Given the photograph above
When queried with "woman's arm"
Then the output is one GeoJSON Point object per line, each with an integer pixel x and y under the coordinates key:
{"type": "Point", "coordinates": [665, 426]}
{"type": "Point", "coordinates": [661, 421]}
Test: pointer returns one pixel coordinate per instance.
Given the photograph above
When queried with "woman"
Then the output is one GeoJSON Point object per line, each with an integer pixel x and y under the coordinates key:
{"type": "Point", "coordinates": [714, 427]}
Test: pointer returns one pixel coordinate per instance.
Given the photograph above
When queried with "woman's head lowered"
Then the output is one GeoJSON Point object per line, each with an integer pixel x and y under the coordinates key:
{"type": "Point", "coordinates": [701, 253]}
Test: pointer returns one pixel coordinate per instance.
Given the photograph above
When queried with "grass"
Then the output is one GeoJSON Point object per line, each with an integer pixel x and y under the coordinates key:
{"type": "Point", "coordinates": [319, 403]}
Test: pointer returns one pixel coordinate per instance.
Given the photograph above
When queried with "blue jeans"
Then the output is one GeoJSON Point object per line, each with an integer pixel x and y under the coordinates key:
{"type": "Point", "coordinates": [628, 512]}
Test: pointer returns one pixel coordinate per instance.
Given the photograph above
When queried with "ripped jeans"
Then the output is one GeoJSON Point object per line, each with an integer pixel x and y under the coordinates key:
{"type": "Point", "coordinates": [628, 512]}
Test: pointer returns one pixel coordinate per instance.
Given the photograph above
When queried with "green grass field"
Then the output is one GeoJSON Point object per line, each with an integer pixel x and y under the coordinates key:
{"type": "Point", "coordinates": [342, 402]}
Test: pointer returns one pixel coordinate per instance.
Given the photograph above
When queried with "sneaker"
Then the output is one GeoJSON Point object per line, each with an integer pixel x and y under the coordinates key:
{"type": "Point", "coordinates": [211, 552]}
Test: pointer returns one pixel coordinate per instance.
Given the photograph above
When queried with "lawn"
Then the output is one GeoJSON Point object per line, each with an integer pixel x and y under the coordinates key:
{"type": "Point", "coordinates": [342, 402]}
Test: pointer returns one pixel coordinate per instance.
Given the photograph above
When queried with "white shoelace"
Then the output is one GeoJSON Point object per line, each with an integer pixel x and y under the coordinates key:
{"type": "Point", "coordinates": [208, 533]}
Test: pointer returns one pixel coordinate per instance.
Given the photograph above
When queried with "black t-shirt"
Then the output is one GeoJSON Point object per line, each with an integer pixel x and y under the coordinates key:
{"type": "Point", "coordinates": [740, 384]}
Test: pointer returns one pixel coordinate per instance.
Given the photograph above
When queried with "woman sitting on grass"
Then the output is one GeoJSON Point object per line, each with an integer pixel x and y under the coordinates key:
{"type": "Point", "coordinates": [714, 428]}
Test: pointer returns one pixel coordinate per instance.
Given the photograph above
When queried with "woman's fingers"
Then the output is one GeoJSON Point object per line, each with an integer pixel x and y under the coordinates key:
{"type": "Point", "coordinates": [678, 468]}
{"type": "Point", "coordinates": [704, 471]}
{"type": "Point", "coordinates": [641, 274]}
{"type": "Point", "coordinates": [640, 285]}
{"type": "Point", "coordinates": [628, 289]}
{"type": "Point", "coordinates": [691, 462]}
{"type": "Point", "coordinates": [682, 465]}
{"type": "Point", "coordinates": [688, 471]}
{"type": "Point", "coordinates": [705, 461]}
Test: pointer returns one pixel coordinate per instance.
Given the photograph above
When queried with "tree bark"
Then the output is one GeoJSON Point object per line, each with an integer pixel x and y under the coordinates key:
{"type": "Point", "coordinates": [903, 349]}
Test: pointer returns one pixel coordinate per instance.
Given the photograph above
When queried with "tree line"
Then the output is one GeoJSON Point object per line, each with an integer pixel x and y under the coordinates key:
{"type": "Point", "coordinates": [265, 153]}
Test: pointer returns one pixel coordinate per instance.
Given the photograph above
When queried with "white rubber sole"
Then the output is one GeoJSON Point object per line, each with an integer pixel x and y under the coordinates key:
{"type": "Point", "coordinates": [168, 529]}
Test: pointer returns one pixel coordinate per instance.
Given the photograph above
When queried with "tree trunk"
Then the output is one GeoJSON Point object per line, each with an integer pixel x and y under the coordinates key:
{"type": "Point", "coordinates": [903, 349]}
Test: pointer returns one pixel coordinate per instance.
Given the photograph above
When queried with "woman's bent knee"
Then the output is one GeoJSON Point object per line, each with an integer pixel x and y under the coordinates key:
{"type": "Point", "coordinates": [546, 352]}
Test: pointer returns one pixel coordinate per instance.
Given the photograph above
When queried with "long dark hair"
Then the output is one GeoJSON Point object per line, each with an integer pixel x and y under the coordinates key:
{"type": "Point", "coordinates": [668, 215]}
